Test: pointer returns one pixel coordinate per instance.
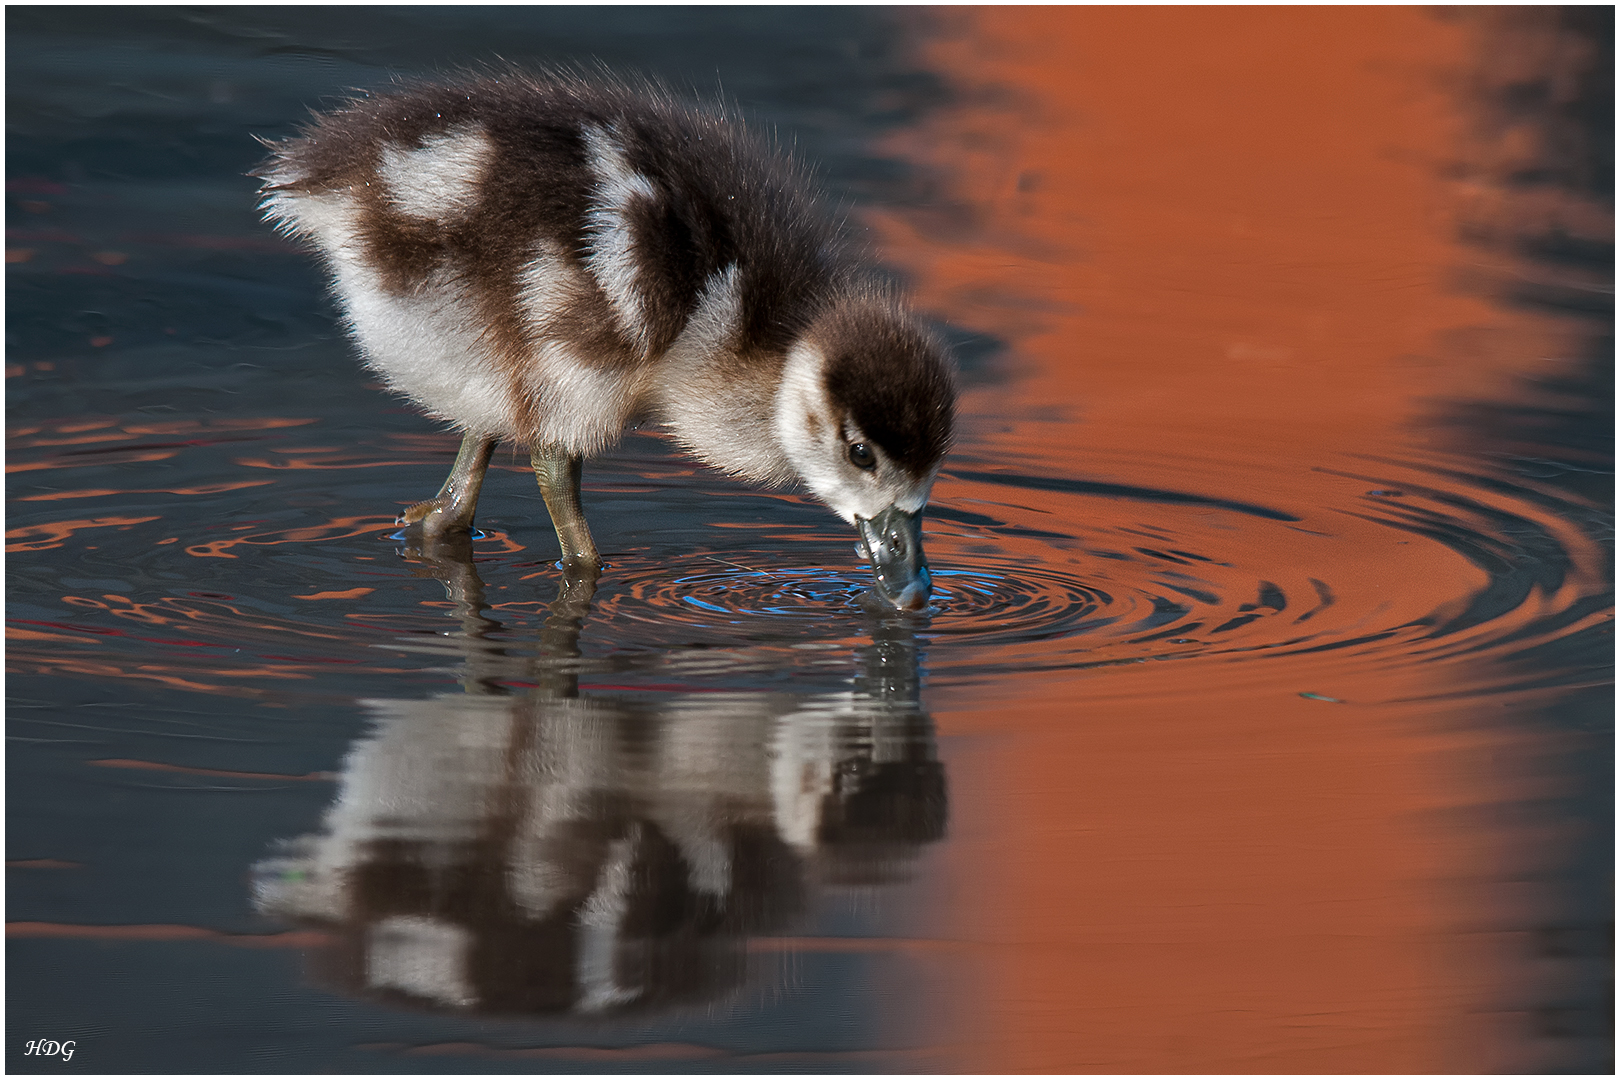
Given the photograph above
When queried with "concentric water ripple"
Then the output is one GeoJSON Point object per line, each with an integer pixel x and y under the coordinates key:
{"type": "Point", "coordinates": [1398, 567]}
{"type": "Point", "coordinates": [989, 602]}
{"type": "Point", "coordinates": [996, 603]}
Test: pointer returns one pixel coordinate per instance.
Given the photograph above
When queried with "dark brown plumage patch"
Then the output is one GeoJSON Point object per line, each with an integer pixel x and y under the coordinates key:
{"type": "Point", "coordinates": [892, 379]}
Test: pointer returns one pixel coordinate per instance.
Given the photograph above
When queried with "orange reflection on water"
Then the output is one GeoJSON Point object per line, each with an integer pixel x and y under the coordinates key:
{"type": "Point", "coordinates": [53, 663]}
{"type": "Point", "coordinates": [75, 432]}
{"type": "Point", "coordinates": [336, 529]}
{"type": "Point", "coordinates": [53, 534]}
{"type": "Point", "coordinates": [97, 493]}
{"type": "Point", "coordinates": [335, 594]}
{"type": "Point", "coordinates": [116, 457]}
{"type": "Point", "coordinates": [38, 447]}
{"type": "Point", "coordinates": [1216, 237]}
{"type": "Point", "coordinates": [1195, 221]}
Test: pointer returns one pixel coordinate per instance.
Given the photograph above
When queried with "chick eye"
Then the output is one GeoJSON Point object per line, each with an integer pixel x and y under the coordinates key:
{"type": "Point", "coordinates": [861, 456]}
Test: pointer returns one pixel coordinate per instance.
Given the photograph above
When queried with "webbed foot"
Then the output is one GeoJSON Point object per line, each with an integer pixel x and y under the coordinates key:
{"type": "Point", "coordinates": [436, 518]}
{"type": "Point", "coordinates": [450, 512]}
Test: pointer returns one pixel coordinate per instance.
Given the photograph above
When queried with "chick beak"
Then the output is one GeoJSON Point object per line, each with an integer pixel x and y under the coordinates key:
{"type": "Point", "coordinates": [893, 541]}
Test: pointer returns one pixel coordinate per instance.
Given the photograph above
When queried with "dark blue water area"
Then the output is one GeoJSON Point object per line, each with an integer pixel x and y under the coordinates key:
{"type": "Point", "coordinates": [135, 127]}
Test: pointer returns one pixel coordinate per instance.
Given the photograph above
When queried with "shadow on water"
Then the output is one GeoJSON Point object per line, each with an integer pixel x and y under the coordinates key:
{"type": "Point", "coordinates": [527, 847]}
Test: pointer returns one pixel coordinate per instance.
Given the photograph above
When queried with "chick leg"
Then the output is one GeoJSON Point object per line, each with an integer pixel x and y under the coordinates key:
{"type": "Point", "coordinates": [451, 510]}
{"type": "Point", "coordinates": [558, 472]}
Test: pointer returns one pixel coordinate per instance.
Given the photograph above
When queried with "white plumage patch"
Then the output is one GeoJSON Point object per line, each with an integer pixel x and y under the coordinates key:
{"type": "Point", "coordinates": [439, 180]}
{"type": "Point", "coordinates": [612, 260]}
{"type": "Point", "coordinates": [715, 319]}
{"type": "Point", "coordinates": [581, 408]}
{"type": "Point", "coordinates": [331, 221]}
{"type": "Point", "coordinates": [715, 412]}
{"type": "Point", "coordinates": [429, 348]}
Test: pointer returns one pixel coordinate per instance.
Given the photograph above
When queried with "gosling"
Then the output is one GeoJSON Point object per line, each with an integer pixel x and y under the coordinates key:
{"type": "Point", "coordinates": [551, 260]}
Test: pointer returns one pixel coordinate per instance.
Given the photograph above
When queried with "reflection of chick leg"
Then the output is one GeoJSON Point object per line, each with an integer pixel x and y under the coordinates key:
{"type": "Point", "coordinates": [449, 558]}
{"type": "Point", "coordinates": [450, 562]}
{"type": "Point", "coordinates": [601, 921]}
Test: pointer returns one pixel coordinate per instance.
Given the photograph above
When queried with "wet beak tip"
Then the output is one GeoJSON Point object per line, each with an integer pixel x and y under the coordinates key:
{"type": "Point", "coordinates": [913, 599]}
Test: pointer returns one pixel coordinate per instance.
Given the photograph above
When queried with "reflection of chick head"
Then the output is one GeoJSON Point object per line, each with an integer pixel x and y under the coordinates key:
{"type": "Point", "coordinates": [594, 854]}
{"type": "Point", "coordinates": [856, 784]}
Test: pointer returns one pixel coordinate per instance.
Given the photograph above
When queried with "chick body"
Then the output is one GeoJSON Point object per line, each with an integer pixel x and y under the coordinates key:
{"type": "Point", "coordinates": [548, 260]}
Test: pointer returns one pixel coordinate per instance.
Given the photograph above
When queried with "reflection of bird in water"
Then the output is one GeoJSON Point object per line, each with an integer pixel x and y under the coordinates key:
{"type": "Point", "coordinates": [557, 851]}
{"type": "Point", "coordinates": [549, 261]}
